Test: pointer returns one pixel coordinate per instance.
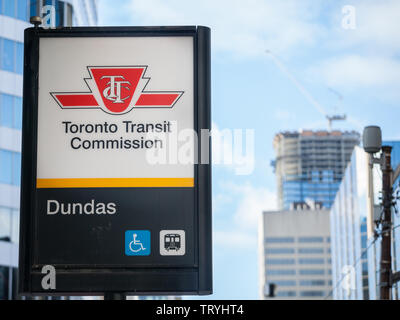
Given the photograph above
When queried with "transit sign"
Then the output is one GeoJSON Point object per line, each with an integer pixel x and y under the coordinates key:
{"type": "Point", "coordinates": [116, 177]}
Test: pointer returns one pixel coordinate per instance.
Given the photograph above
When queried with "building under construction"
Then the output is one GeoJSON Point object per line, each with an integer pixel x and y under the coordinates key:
{"type": "Point", "coordinates": [309, 165]}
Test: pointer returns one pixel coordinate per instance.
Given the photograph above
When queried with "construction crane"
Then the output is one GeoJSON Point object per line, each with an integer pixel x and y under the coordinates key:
{"type": "Point", "coordinates": [306, 94]}
{"type": "Point", "coordinates": [335, 117]}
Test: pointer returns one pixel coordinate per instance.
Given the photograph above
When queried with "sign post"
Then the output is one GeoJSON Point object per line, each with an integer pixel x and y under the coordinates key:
{"type": "Point", "coordinates": [116, 177]}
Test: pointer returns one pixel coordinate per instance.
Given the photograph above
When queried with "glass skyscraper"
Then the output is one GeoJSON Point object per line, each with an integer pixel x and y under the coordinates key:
{"type": "Point", "coordinates": [355, 252]}
{"type": "Point", "coordinates": [309, 165]}
{"type": "Point", "coordinates": [14, 17]}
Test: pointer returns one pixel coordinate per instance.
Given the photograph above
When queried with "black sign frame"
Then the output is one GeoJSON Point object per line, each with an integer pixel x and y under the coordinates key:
{"type": "Point", "coordinates": [99, 280]}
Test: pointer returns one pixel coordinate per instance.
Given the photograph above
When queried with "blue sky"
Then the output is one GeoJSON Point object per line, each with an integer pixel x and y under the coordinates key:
{"type": "Point", "coordinates": [250, 91]}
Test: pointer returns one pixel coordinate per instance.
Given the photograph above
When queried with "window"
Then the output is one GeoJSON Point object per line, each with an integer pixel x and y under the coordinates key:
{"type": "Point", "coordinates": [280, 261]}
{"type": "Point", "coordinates": [328, 239]}
{"type": "Point", "coordinates": [11, 55]}
{"type": "Point", "coordinates": [363, 227]}
{"type": "Point", "coordinates": [10, 167]}
{"type": "Point", "coordinates": [311, 261]}
{"type": "Point", "coordinates": [10, 111]}
{"type": "Point", "coordinates": [9, 8]}
{"type": "Point", "coordinates": [311, 250]}
{"type": "Point", "coordinates": [365, 267]}
{"type": "Point", "coordinates": [285, 283]}
{"type": "Point", "coordinates": [279, 240]}
{"type": "Point", "coordinates": [22, 9]}
{"type": "Point", "coordinates": [7, 55]}
{"type": "Point", "coordinates": [69, 14]}
{"type": "Point", "coordinates": [15, 226]}
{"type": "Point", "coordinates": [17, 113]}
{"type": "Point", "coordinates": [15, 8]}
{"type": "Point", "coordinates": [364, 241]}
{"type": "Point", "coordinates": [311, 239]}
{"type": "Point", "coordinates": [5, 167]}
{"type": "Point", "coordinates": [312, 293]}
{"type": "Point", "coordinates": [312, 282]}
{"type": "Point", "coordinates": [19, 58]}
{"type": "Point", "coordinates": [34, 8]}
{"type": "Point", "coordinates": [63, 11]}
{"type": "Point", "coordinates": [16, 168]}
{"type": "Point", "coordinates": [6, 110]}
{"type": "Point", "coordinates": [279, 250]}
{"type": "Point", "coordinates": [286, 294]}
{"type": "Point", "coordinates": [5, 222]}
{"type": "Point", "coordinates": [9, 224]}
{"type": "Point", "coordinates": [312, 272]}
{"type": "Point", "coordinates": [281, 272]}
{"type": "Point", "coordinates": [366, 294]}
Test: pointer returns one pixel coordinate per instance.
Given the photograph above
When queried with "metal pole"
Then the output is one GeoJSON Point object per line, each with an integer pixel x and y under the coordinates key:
{"type": "Point", "coordinates": [370, 198]}
{"type": "Point", "coordinates": [386, 258]}
{"type": "Point", "coordinates": [10, 283]}
{"type": "Point", "coordinates": [114, 296]}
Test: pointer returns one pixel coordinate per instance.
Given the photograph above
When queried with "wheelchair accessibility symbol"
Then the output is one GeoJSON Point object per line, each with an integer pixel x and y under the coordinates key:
{"type": "Point", "coordinates": [137, 243]}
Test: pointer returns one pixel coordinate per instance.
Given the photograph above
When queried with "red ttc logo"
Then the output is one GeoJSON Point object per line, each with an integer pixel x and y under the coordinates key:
{"type": "Point", "coordinates": [117, 90]}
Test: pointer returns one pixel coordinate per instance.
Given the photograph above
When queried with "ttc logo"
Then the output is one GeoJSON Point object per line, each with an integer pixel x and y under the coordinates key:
{"type": "Point", "coordinates": [113, 91]}
{"type": "Point", "coordinates": [117, 90]}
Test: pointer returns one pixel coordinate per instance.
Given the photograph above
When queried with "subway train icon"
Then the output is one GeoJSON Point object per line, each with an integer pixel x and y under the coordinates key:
{"type": "Point", "coordinates": [172, 243]}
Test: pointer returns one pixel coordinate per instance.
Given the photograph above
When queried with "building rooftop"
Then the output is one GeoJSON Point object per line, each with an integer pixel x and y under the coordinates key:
{"type": "Point", "coordinates": [316, 133]}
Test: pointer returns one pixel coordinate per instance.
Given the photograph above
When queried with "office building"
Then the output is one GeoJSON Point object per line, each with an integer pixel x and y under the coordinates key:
{"type": "Point", "coordinates": [295, 254]}
{"type": "Point", "coordinates": [349, 232]}
{"type": "Point", "coordinates": [355, 250]}
{"type": "Point", "coordinates": [14, 17]}
{"type": "Point", "coordinates": [309, 165]}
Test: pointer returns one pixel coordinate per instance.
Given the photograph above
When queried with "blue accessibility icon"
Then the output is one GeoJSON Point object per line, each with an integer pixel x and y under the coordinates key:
{"type": "Point", "coordinates": [137, 243]}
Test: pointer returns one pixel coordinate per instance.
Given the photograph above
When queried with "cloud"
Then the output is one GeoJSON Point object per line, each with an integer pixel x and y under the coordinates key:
{"type": "Point", "coordinates": [235, 239]}
{"type": "Point", "coordinates": [361, 58]}
{"type": "Point", "coordinates": [359, 71]}
{"type": "Point", "coordinates": [244, 29]}
{"type": "Point", "coordinates": [220, 201]}
{"type": "Point", "coordinates": [377, 26]}
{"type": "Point", "coordinates": [234, 149]}
{"type": "Point", "coordinates": [251, 201]}
{"type": "Point", "coordinates": [283, 115]}
{"type": "Point", "coordinates": [365, 57]}
{"type": "Point", "coordinates": [116, 12]}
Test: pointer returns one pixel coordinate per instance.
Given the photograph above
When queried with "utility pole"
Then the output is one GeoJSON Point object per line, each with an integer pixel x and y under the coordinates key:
{"type": "Point", "coordinates": [386, 257]}
{"type": "Point", "coordinates": [372, 143]}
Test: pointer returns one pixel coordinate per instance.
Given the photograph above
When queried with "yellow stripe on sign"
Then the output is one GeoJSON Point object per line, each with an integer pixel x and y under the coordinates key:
{"type": "Point", "coordinates": [114, 182]}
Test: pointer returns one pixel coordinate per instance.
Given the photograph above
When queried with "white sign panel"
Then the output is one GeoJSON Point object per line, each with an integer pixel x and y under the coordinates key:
{"type": "Point", "coordinates": [115, 119]}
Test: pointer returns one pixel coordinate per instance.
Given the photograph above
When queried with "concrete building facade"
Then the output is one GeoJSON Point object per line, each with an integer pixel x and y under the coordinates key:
{"type": "Point", "coordinates": [294, 254]}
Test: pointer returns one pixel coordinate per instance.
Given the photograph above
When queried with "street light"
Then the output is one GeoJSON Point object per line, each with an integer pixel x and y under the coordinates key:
{"type": "Point", "coordinates": [372, 139]}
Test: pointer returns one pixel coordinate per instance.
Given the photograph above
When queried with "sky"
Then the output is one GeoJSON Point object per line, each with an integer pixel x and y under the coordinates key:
{"type": "Point", "coordinates": [279, 65]}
